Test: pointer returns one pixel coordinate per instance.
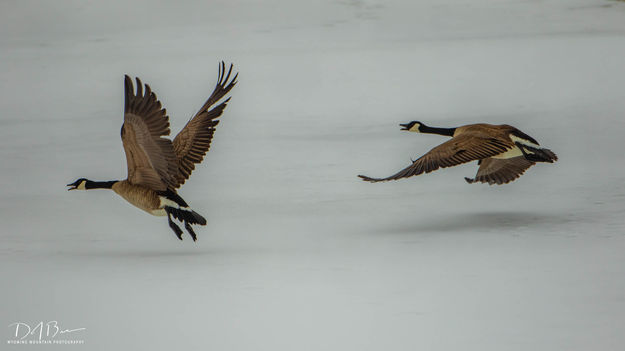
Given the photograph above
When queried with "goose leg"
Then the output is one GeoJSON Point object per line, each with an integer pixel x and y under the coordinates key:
{"type": "Point", "coordinates": [187, 226]}
{"type": "Point", "coordinates": [174, 226]}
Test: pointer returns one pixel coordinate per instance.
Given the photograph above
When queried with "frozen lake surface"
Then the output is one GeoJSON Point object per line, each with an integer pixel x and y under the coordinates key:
{"type": "Point", "coordinates": [300, 254]}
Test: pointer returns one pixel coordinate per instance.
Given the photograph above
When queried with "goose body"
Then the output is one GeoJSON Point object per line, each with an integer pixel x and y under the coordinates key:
{"type": "Point", "coordinates": [503, 152]}
{"type": "Point", "coordinates": [158, 166]}
{"type": "Point", "coordinates": [141, 197]}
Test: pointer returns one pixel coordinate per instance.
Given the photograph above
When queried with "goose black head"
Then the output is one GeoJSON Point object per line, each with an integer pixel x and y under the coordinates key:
{"type": "Point", "coordinates": [80, 184]}
{"type": "Point", "coordinates": [413, 126]}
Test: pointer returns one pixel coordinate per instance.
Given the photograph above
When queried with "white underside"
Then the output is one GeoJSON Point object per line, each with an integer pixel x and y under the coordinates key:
{"type": "Point", "coordinates": [515, 151]}
{"type": "Point", "coordinates": [166, 202]}
{"type": "Point", "coordinates": [516, 139]}
{"type": "Point", "coordinates": [160, 212]}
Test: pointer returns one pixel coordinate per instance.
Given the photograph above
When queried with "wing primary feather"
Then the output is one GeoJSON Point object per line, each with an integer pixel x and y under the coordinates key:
{"type": "Point", "coordinates": [460, 149]}
{"type": "Point", "coordinates": [139, 88]}
{"type": "Point", "coordinates": [228, 75]}
{"type": "Point", "coordinates": [128, 90]}
{"type": "Point", "coordinates": [150, 157]}
{"type": "Point", "coordinates": [193, 141]}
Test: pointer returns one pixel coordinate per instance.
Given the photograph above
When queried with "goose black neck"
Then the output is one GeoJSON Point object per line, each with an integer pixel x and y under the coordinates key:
{"type": "Point", "coordinates": [90, 184]}
{"type": "Point", "coordinates": [434, 130]}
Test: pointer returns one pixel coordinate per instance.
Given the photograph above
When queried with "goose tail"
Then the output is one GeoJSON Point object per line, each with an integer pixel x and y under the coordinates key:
{"type": "Point", "coordinates": [186, 215]}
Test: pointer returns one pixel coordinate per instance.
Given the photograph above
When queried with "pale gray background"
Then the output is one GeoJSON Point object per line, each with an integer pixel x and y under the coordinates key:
{"type": "Point", "coordinates": [299, 254]}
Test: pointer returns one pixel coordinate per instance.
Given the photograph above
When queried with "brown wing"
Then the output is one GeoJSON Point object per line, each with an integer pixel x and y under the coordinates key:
{"type": "Point", "coordinates": [501, 171]}
{"type": "Point", "coordinates": [193, 141]}
{"type": "Point", "coordinates": [150, 157]}
{"type": "Point", "coordinates": [460, 149]}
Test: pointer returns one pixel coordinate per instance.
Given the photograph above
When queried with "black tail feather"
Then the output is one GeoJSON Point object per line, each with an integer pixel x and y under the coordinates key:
{"type": "Point", "coordinates": [174, 227]}
{"type": "Point", "coordinates": [549, 155]}
{"type": "Point", "coordinates": [187, 226]}
{"type": "Point", "coordinates": [188, 217]}
{"type": "Point", "coordinates": [538, 154]}
{"type": "Point", "coordinates": [199, 219]}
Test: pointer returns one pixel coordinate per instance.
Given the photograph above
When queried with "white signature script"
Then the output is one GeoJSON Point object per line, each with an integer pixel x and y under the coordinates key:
{"type": "Point", "coordinates": [40, 330]}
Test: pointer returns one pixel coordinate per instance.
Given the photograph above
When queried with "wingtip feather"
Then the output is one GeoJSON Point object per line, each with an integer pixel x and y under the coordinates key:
{"type": "Point", "coordinates": [139, 87]}
{"type": "Point", "coordinates": [369, 179]}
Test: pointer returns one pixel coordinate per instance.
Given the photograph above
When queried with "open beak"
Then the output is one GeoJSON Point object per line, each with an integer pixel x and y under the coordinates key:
{"type": "Point", "coordinates": [72, 187]}
{"type": "Point", "coordinates": [405, 126]}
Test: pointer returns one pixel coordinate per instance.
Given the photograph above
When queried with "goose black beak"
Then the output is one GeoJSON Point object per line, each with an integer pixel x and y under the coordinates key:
{"type": "Point", "coordinates": [71, 187]}
{"type": "Point", "coordinates": [405, 126]}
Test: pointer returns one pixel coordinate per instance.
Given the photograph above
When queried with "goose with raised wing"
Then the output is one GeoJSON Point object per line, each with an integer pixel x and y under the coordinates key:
{"type": "Point", "coordinates": [503, 152]}
{"type": "Point", "coordinates": [156, 165]}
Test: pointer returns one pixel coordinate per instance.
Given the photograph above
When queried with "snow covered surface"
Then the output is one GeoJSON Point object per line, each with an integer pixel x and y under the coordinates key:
{"type": "Point", "coordinates": [299, 254]}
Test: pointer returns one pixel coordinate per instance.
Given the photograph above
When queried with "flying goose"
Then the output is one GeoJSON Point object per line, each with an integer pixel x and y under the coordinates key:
{"type": "Point", "coordinates": [503, 152]}
{"type": "Point", "coordinates": [156, 165]}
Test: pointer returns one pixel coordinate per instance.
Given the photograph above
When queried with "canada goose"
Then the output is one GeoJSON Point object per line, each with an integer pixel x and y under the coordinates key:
{"type": "Point", "coordinates": [503, 152]}
{"type": "Point", "coordinates": [156, 165]}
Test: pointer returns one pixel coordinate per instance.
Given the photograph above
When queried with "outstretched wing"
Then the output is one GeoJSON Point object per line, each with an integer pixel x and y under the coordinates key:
{"type": "Point", "coordinates": [460, 149]}
{"type": "Point", "coordinates": [193, 141]}
{"type": "Point", "coordinates": [150, 157]}
{"type": "Point", "coordinates": [501, 171]}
